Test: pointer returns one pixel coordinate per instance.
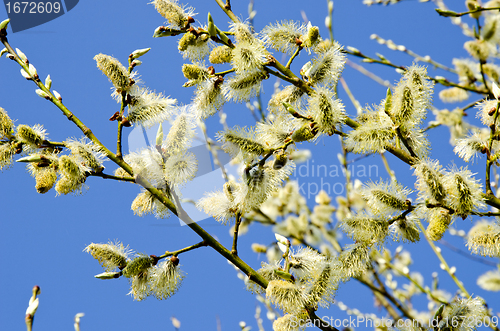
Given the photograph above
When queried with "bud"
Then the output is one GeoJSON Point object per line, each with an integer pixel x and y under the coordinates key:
{"type": "Point", "coordinates": [280, 160]}
{"type": "Point", "coordinates": [33, 306]}
{"type": "Point", "coordinates": [220, 54]}
{"type": "Point", "coordinates": [328, 22]}
{"type": "Point", "coordinates": [3, 51]}
{"type": "Point", "coordinates": [22, 56]}
{"type": "Point", "coordinates": [32, 70]}
{"type": "Point", "coordinates": [48, 82]}
{"type": "Point", "coordinates": [284, 275]}
{"type": "Point", "coordinates": [159, 135]}
{"type": "Point", "coordinates": [4, 23]}
{"type": "Point", "coordinates": [139, 52]}
{"type": "Point", "coordinates": [33, 136]}
{"type": "Point", "coordinates": [25, 74]}
{"type": "Point", "coordinates": [495, 90]}
{"type": "Point", "coordinates": [108, 275]}
{"type": "Point", "coordinates": [57, 95]}
{"type": "Point", "coordinates": [473, 5]}
{"type": "Point", "coordinates": [447, 13]}
{"type": "Point", "coordinates": [330, 6]}
{"type": "Point", "coordinates": [187, 40]}
{"type": "Point", "coordinates": [163, 31]}
{"type": "Point", "coordinates": [304, 133]}
{"type": "Point", "coordinates": [212, 30]}
{"type": "Point", "coordinates": [136, 63]}
{"type": "Point", "coordinates": [283, 242]}
{"type": "Point", "coordinates": [223, 36]}
{"type": "Point", "coordinates": [42, 94]}
{"type": "Point", "coordinates": [31, 158]}
{"type": "Point", "coordinates": [353, 50]}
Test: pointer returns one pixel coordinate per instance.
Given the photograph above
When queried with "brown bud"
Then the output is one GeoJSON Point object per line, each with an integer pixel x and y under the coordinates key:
{"type": "Point", "coordinates": [126, 123]}
{"type": "Point", "coordinates": [154, 258]}
{"type": "Point", "coordinates": [175, 260]}
{"type": "Point", "coordinates": [219, 81]}
{"type": "Point", "coordinates": [492, 111]}
{"type": "Point", "coordinates": [115, 116]}
{"type": "Point", "coordinates": [211, 70]}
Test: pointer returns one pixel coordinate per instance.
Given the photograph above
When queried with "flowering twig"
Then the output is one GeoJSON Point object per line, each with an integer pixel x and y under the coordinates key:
{"type": "Point", "coordinates": [450, 13]}
{"type": "Point", "coordinates": [234, 250]}
{"type": "Point", "coordinates": [183, 250]}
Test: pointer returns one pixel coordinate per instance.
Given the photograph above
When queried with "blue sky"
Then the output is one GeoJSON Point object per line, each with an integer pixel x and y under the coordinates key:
{"type": "Point", "coordinates": [42, 236]}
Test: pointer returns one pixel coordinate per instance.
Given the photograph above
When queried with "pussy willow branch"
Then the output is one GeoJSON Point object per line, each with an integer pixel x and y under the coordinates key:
{"type": "Point", "coordinates": [106, 176]}
{"type": "Point", "coordinates": [183, 250]}
{"type": "Point", "coordinates": [211, 241]}
{"type": "Point", "coordinates": [459, 284]}
{"type": "Point", "coordinates": [120, 127]}
{"type": "Point", "coordinates": [489, 160]}
{"type": "Point", "coordinates": [295, 54]}
{"type": "Point", "coordinates": [237, 223]}
{"type": "Point", "coordinates": [449, 13]}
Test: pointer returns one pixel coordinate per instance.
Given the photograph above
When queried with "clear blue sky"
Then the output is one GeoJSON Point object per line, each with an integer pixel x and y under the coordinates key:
{"type": "Point", "coordinates": [42, 236]}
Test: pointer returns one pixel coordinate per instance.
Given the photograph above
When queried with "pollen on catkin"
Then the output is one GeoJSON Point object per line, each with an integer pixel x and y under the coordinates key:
{"type": "Point", "coordinates": [241, 140]}
{"type": "Point", "coordinates": [274, 132]}
{"type": "Point", "coordinates": [248, 57]}
{"type": "Point", "coordinates": [45, 179]}
{"type": "Point", "coordinates": [484, 238]}
{"type": "Point", "coordinates": [208, 98]}
{"type": "Point", "coordinates": [430, 180]}
{"type": "Point", "coordinates": [32, 137]}
{"type": "Point", "coordinates": [166, 279]}
{"type": "Point", "coordinates": [181, 134]}
{"type": "Point", "coordinates": [373, 135]}
{"type": "Point", "coordinates": [115, 71]}
{"type": "Point", "coordinates": [7, 151]}
{"type": "Point", "coordinates": [439, 221]}
{"type": "Point", "coordinates": [87, 153]}
{"type": "Point", "coordinates": [149, 108]}
{"type": "Point", "coordinates": [353, 261]}
{"type": "Point", "coordinates": [176, 14]}
{"type": "Point", "coordinates": [283, 36]}
{"type": "Point", "coordinates": [365, 229]}
{"type": "Point", "coordinates": [326, 110]}
{"type": "Point", "coordinates": [180, 168]}
{"type": "Point", "coordinates": [465, 193]}
{"type": "Point", "coordinates": [383, 198]}
{"type": "Point", "coordinates": [286, 295]}
{"type": "Point", "coordinates": [405, 230]}
{"type": "Point", "coordinates": [138, 265]}
{"type": "Point", "coordinates": [242, 87]}
{"type": "Point", "coordinates": [145, 203]}
{"type": "Point", "coordinates": [6, 124]}
{"type": "Point", "coordinates": [467, 148]}
{"type": "Point", "coordinates": [110, 255]}
{"type": "Point", "coordinates": [326, 67]}
{"type": "Point", "coordinates": [220, 54]}
{"type": "Point", "coordinates": [217, 205]}
{"type": "Point", "coordinates": [194, 47]}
